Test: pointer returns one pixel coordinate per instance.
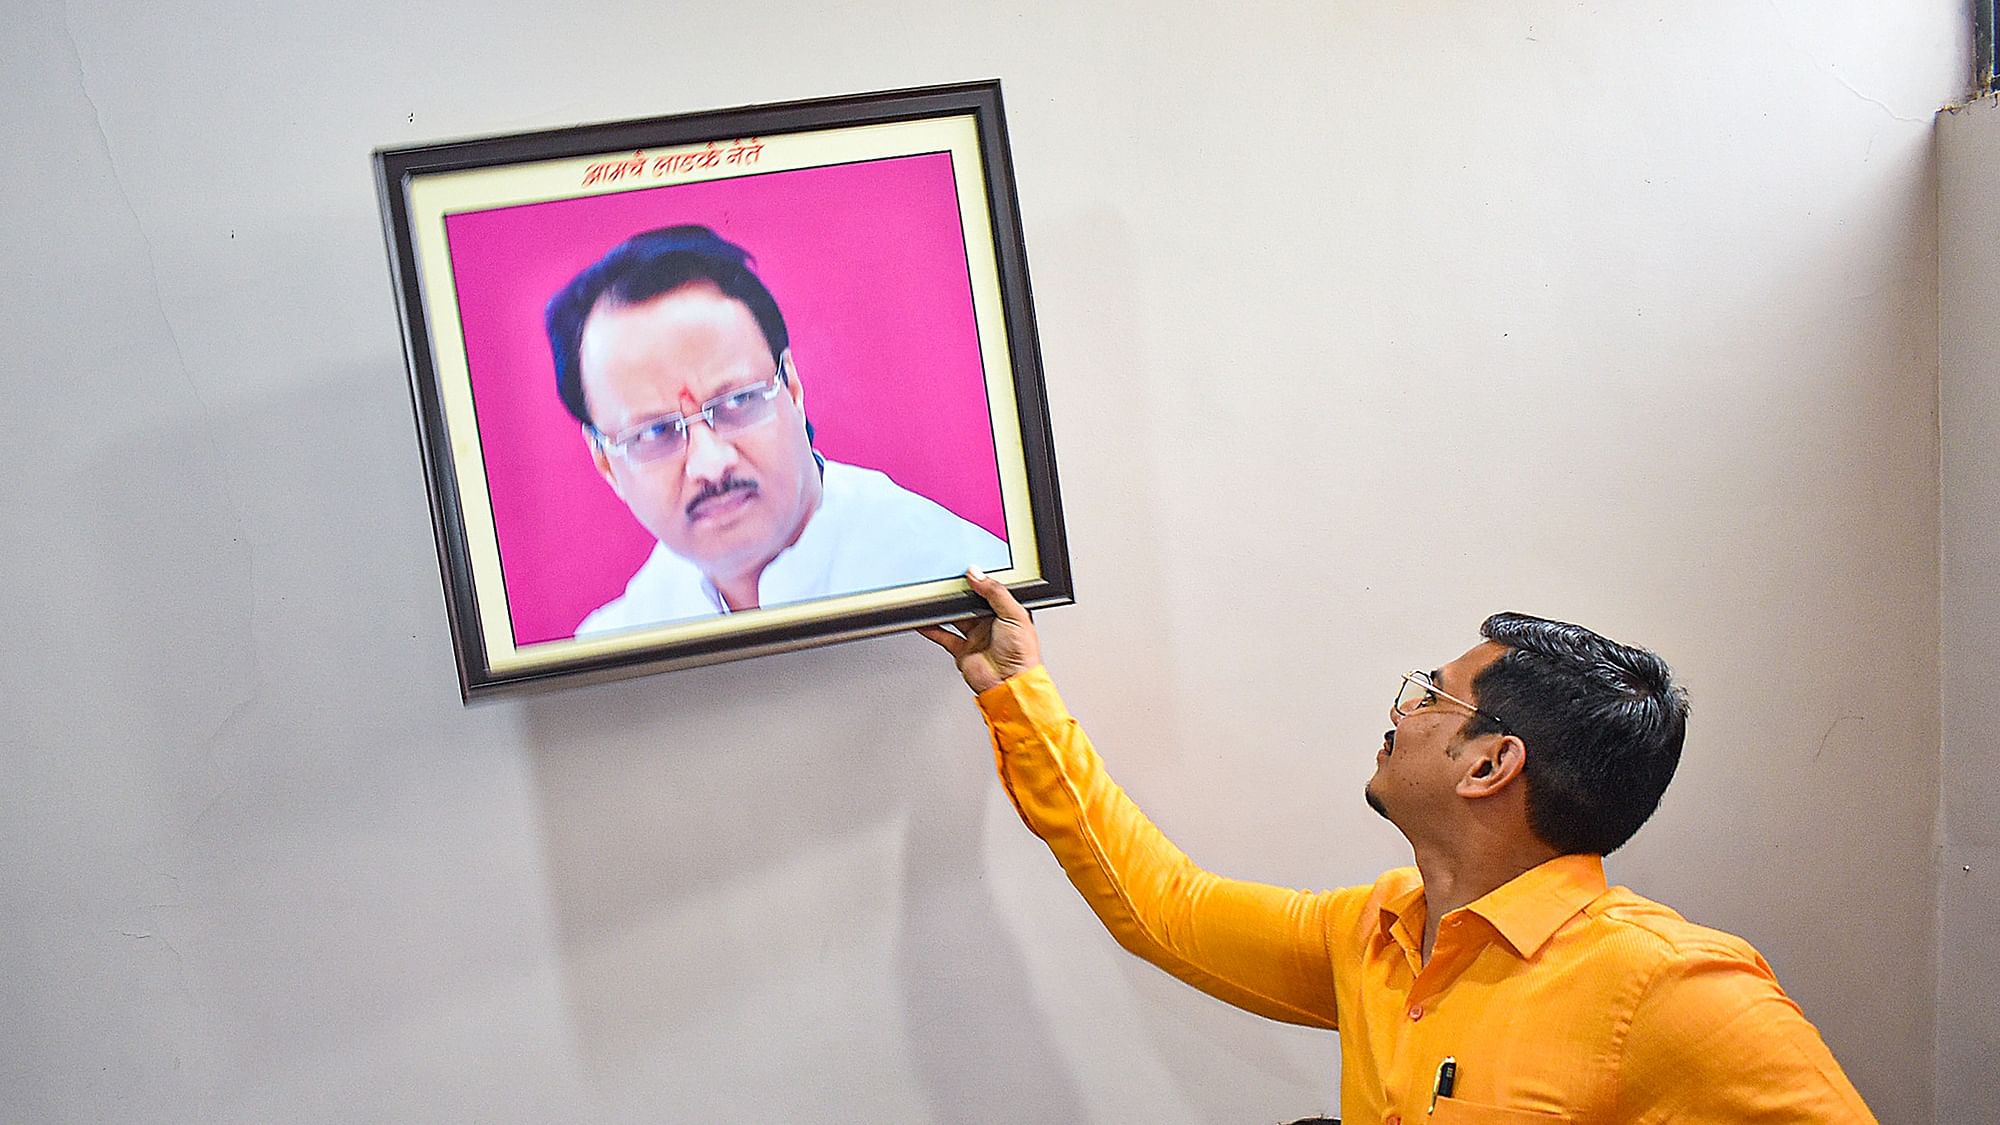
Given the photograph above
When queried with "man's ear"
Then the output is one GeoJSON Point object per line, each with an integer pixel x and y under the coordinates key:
{"type": "Point", "coordinates": [792, 385]}
{"type": "Point", "coordinates": [601, 459]}
{"type": "Point", "coordinates": [1489, 765]}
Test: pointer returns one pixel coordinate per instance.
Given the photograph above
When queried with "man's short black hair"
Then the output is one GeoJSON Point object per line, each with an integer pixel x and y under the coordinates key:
{"type": "Point", "coordinates": [643, 267]}
{"type": "Point", "coordinates": [1603, 724]}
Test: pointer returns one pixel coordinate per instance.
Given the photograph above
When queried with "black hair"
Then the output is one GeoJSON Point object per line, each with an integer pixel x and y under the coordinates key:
{"type": "Point", "coordinates": [643, 267]}
{"type": "Point", "coordinates": [1603, 724]}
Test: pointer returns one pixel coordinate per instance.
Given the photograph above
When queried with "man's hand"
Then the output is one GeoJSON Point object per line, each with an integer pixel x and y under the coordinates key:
{"type": "Point", "coordinates": [989, 649]}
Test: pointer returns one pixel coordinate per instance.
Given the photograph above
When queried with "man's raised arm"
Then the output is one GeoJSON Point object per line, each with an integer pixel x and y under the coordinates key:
{"type": "Point", "coordinates": [1259, 947]}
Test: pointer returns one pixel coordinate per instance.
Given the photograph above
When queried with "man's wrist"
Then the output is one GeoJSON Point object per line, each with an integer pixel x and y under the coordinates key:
{"type": "Point", "coordinates": [1028, 696]}
{"type": "Point", "coordinates": [1002, 685]}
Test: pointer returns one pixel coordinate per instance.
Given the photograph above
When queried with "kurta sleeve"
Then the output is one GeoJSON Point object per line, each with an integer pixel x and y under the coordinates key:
{"type": "Point", "coordinates": [1262, 948]}
{"type": "Point", "coordinates": [1714, 1039]}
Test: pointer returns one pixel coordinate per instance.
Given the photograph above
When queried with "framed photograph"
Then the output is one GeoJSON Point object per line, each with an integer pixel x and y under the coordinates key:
{"type": "Point", "coordinates": [723, 384]}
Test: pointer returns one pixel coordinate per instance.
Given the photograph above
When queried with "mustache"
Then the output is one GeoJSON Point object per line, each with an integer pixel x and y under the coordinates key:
{"type": "Point", "coordinates": [1389, 741]}
{"type": "Point", "coordinates": [712, 489]}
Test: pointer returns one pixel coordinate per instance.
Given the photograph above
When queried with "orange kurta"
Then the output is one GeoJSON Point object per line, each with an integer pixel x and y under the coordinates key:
{"type": "Point", "coordinates": [1559, 998]}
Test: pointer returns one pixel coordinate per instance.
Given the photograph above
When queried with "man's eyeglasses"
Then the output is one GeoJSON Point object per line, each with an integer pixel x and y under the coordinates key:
{"type": "Point", "coordinates": [1418, 692]}
{"type": "Point", "coordinates": [729, 413]}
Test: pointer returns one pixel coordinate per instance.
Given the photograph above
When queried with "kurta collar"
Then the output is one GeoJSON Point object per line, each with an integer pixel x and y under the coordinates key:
{"type": "Point", "coordinates": [1525, 911]}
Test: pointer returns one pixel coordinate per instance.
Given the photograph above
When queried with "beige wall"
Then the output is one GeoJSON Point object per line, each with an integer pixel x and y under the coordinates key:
{"type": "Point", "coordinates": [1968, 1020]}
{"type": "Point", "coordinates": [1361, 321]}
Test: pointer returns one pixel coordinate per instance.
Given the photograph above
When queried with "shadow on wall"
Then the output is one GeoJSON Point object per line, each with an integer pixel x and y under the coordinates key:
{"type": "Point", "coordinates": [996, 1054]}
{"type": "Point", "coordinates": [766, 879]}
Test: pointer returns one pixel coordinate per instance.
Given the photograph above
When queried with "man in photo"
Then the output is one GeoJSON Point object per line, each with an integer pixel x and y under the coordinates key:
{"type": "Point", "coordinates": [675, 359]}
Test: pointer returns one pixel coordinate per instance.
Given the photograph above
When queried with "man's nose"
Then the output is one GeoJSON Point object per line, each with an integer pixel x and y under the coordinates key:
{"type": "Point", "coordinates": [709, 457]}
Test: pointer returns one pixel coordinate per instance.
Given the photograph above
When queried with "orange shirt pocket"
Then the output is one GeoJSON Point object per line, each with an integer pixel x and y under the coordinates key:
{"type": "Point", "coordinates": [1457, 1111]}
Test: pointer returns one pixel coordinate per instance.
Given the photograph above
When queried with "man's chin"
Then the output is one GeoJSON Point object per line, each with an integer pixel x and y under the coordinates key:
{"type": "Point", "coordinates": [1374, 802]}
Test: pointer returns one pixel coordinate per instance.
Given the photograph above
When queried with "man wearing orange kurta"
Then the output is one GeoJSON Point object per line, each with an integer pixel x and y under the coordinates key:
{"type": "Point", "coordinates": [1499, 979]}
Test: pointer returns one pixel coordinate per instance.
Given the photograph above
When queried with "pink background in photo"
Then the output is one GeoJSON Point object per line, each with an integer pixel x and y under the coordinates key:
{"type": "Point", "coordinates": [868, 263]}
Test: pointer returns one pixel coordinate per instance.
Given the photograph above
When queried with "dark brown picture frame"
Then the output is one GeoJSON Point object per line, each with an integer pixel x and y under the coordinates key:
{"type": "Point", "coordinates": [410, 180]}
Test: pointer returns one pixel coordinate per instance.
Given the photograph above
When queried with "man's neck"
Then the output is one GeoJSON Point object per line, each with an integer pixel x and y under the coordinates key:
{"type": "Point", "coordinates": [743, 590]}
{"type": "Point", "coordinates": [1456, 876]}
{"type": "Point", "coordinates": [739, 593]}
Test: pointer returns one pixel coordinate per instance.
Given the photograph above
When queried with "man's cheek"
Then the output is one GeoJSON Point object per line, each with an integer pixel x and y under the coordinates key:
{"type": "Point", "coordinates": [657, 501]}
